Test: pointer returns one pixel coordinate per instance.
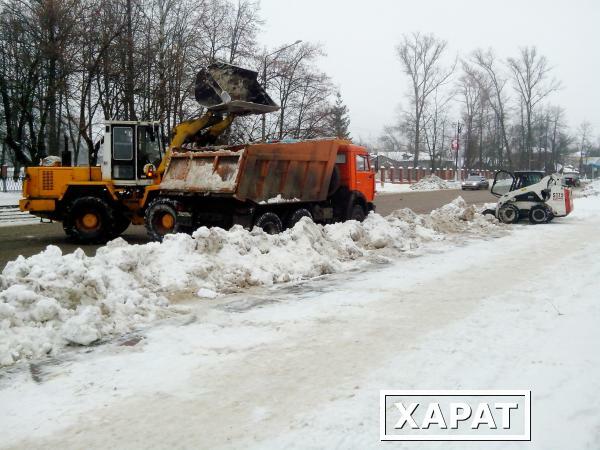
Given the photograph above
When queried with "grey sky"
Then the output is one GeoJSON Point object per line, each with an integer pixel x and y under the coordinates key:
{"type": "Point", "coordinates": [360, 39]}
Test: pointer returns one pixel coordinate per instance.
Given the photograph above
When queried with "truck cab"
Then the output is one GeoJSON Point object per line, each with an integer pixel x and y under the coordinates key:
{"type": "Point", "coordinates": [355, 170]}
{"type": "Point", "coordinates": [129, 147]}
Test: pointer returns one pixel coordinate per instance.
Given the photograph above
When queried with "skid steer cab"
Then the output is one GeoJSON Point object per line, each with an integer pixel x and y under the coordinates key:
{"type": "Point", "coordinates": [97, 203]}
{"type": "Point", "coordinates": [530, 194]}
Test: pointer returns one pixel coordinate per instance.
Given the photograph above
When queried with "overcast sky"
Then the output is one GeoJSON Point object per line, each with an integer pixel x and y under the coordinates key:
{"type": "Point", "coordinates": [360, 39]}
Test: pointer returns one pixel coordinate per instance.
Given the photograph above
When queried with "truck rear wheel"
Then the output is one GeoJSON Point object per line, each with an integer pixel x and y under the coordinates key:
{"type": "Point", "coordinates": [269, 222]}
{"type": "Point", "coordinates": [161, 218]}
{"type": "Point", "coordinates": [89, 220]}
{"type": "Point", "coordinates": [297, 215]}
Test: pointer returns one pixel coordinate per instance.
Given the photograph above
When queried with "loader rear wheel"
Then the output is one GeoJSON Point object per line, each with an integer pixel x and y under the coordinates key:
{"type": "Point", "coordinates": [539, 214]}
{"type": "Point", "coordinates": [89, 220]}
{"type": "Point", "coordinates": [161, 218]}
{"type": "Point", "coordinates": [269, 222]}
{"type": "Point", "coordinates": [297, 215]}
{"type": "Point", "coordinates": [508, 214]}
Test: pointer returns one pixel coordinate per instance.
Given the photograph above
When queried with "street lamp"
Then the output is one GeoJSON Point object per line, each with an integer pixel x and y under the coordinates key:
{"type": "Point", "coordinates": [264, 123]}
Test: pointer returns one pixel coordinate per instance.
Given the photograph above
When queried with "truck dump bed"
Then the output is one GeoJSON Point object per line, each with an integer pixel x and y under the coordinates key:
{"type": "Point", "coordinates": [299, 171]}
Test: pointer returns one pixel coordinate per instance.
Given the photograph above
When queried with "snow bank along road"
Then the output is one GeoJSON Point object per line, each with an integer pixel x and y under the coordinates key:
{"type": "Point", "coordinates": [301, 366]}
{"type": "Point", "coordinates": [29, 240]}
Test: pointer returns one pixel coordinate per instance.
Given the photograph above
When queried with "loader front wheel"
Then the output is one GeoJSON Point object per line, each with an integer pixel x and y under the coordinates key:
{"type": "Point", "coordinates": [161, 219]}
{"type": "Point", "coordinates": [538, 214]}
{"type": "Point", "coordinates": [89, 220]}
{"type": "Point", "coordinates": [269, 222]}
{"type": "Point", "coordinates": [508, 214]}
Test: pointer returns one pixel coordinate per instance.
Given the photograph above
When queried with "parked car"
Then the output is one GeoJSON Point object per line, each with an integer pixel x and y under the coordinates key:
{"type": "Point", "coordinates": [475, 182]}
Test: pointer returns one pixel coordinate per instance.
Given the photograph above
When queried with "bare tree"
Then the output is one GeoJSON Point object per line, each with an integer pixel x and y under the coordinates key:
{"type": "Point", "coordinates": [421, 57]}
{"type": "Point", "coordinates": [434, 127]}
{"type": "Point", "coordinates": [492, 85]}
{"type": "Point", "coordinates": [584, 131]}
{"type": "Point", "coordinates": [530, 73]}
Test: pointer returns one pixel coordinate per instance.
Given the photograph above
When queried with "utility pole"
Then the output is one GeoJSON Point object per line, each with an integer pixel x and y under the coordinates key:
{"type": "Point", "coordinates": [264, 81]}
{"type": "Point", "coordinates": [457, 149]}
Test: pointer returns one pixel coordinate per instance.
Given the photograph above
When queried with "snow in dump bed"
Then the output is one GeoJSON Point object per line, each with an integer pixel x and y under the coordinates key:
{"type": "Point", "coordinates": [433, 183]}
{"type": "Point", "coordinates": [50, 300]}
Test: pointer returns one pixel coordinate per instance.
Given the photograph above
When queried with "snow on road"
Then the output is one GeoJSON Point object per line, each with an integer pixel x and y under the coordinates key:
{"type": "Point", "coordinates": [50, 300]}
{"type": "Point", "coordinates": [301, 365]}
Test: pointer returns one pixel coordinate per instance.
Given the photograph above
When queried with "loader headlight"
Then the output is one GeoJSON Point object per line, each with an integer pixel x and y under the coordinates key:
{"type": "Point", "coordinates": [149, 170]}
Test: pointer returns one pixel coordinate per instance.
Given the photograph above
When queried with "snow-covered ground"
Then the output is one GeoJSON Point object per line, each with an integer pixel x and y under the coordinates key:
{"type": "Point", "coordinates": [434, 183]}
{"type": "Point", "coordinates": [429, 183]}
{"type": "Point", "coordinates": [10, 198]}
{"type": "Point", "coordinates": [50, 300]}
{"type": "Point", "coordinates": [300, 365]}
{"type": "Point", "coordinates": [392, 188]}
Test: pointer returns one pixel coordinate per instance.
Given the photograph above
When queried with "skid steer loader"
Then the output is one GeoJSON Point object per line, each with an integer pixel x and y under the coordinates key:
{"type": "Point", "coordinates": [97, 203]}
{"type": "Point", "coordinates": [530, 194]}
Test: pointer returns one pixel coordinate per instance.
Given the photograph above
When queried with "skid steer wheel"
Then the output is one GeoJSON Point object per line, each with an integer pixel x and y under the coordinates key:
{"type": "Point", "coordinates": [269, 222]}
{"type": "Point", "coordinates": [161, 218]}
{"type": "Point", "coordinates": [297, 215]}
{"type": "Point", "coordinates": [508, 214]}
{"type": "Point", "coordinates": [89, 220]}
{"type": "Point", "coordinates": [539, 214]}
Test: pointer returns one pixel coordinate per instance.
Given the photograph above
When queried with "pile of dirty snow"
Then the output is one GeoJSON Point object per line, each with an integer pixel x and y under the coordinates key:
{"type": "Point", "coordinates": [51, 300]}
{"type": "Point", "coordinates": [590, 190]}
{"type": "Point", "coordinates": [432, 183]}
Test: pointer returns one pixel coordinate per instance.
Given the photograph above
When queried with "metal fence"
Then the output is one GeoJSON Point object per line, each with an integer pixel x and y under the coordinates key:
{"type": "Point", "coordinates": [10, 184]}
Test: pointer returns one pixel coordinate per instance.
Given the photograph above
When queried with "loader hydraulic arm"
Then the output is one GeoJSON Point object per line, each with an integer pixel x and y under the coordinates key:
{"type": "Point", "coordinates": [214, 125]}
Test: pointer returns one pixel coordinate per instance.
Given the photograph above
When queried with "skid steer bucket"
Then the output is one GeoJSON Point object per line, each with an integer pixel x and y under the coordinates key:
{"type": "Point", "coordinates": [226, 88]}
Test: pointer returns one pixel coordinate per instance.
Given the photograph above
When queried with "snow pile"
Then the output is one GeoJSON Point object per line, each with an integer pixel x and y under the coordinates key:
{"type": "Point", "coordinates": [590, 190]}
{"type": "Point", "coordinates": [9, 198]}
{"type": "Point", "coordinates": [51, 300]}
{"type": "Point", "coordinates": [431, 183]}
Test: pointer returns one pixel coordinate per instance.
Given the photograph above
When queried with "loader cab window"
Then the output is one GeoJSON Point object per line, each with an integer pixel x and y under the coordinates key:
{"type": "Point", "coordinates": [362, 165]}
{"type": "Point", "coordinates": [527, 179]}
{"type": "Point", "coordinates": [123, 163]}
{"type": "Point", "coordinates": [149, 148]}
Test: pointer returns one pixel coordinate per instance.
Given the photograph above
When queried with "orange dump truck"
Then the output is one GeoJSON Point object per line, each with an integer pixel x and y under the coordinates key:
{"type": "Point", "coordinates": [269, 185]}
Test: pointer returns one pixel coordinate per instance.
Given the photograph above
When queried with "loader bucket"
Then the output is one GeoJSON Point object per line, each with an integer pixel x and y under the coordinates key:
{"type": "Point", "coordinates": [225, 88]}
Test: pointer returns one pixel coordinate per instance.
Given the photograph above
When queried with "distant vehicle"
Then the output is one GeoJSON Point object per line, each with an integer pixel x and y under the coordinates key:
{"type": "Point", "coordinates": [571, 179]}
{"type": "Point", "coordinates": [475, 182]}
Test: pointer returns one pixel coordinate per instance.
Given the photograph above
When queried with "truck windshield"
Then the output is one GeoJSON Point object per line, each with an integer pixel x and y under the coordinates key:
{"type": "Point", "coordinates": [148, 148]}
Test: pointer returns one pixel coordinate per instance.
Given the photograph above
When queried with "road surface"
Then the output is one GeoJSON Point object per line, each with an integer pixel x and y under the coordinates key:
{"type": "Point", "coordinates": [301, 367]}
{"type": "Point", "coordinates": [28, 240]}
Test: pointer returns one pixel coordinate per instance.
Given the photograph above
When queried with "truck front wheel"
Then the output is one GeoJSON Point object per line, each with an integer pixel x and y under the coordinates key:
{"type": "Point", "coordinates": [89, 220]}
{"type": "Point", "coordinates": [358, 212]}
{"type": "Point", "coordinates": [269, 222]}
{"type": "Point", "coordinates": [161, 218]}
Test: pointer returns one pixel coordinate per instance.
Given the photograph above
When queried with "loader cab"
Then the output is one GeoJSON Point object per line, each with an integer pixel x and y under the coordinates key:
{"type": "Point", "coordinates": [505, 182]}
{"type": "Point", "coordinates": [128, 147]}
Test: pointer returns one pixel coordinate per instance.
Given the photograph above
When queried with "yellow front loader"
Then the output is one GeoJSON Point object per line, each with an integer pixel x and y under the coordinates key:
{"type": "Point", "coordinates": [98, 203]}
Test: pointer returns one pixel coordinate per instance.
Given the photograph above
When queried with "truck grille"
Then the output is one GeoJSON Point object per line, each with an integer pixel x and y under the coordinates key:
{"type": "Point", "coordinates": [47, 180]}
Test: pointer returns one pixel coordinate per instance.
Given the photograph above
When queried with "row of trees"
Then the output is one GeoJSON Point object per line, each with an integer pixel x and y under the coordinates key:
{"type": "Point", "coordinates": [66, 66]}
{"type": "Point", "coordinates": [503, 106]}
